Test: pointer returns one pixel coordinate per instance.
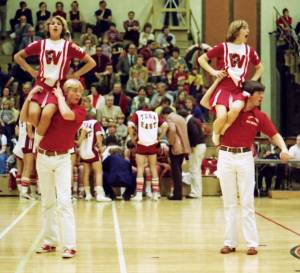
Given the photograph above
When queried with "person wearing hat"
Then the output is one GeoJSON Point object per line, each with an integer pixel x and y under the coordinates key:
{"type": "Point", "coordinates": [236, 167]}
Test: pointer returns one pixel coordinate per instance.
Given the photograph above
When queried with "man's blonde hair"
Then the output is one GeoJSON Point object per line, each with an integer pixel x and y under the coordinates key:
{"type": "Point", "coordinates": [234, 29]}
{"type": "Point", "coordinates": [73, 83]}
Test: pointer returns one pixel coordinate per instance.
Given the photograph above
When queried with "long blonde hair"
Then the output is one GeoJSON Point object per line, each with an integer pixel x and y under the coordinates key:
{"type": "Point", "coordinates": [234, 29]}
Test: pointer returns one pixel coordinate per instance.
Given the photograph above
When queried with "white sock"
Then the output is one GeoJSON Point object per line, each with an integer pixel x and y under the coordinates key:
{"type": "Point", "coordinates": [139, 194]}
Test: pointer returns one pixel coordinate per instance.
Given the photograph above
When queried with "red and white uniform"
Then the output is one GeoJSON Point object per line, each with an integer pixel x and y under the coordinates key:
{"type": "Point", "coordinates": [87, 150]}
{"type": "Point", "coordinates": [55, 59]}
{"type": "Point", "coordinates": [235, 59]}
{"type": "Point", "coordinates": [24, 143]}
{"type": "Point", "coordinates": [238, 169]}
{"type": "Point", "coordinates": [147, 124]}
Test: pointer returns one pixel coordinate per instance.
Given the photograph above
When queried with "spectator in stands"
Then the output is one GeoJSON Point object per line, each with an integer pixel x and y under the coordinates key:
{"type": "Point", "coordinates": [176, 60]}
{"type": "Point", "coordinates": [76, 20]}
{"type": "Point", "coordinates": [89, 48]}
{"type": "Point", "coordinates": [139, 99]}
{"type": "Point", "coordinates": [165, 38]}
{"type": "Point", "coordinates": [180, 100]}
{"type": "Point", "coordinates": [59, 6]}
{"type": "Point", "coordinates": [134, 83]}
{"type": "Point", "coordinates": [190, 104]}
{"type": "Point", "coordinates": [3, 11]}
{"type": "Point", "coordinates": [294, 153]}
{"type": "Point", "coordinates": [106, 47]}
{"type": "Point", "coordinates": [101, 62]}
{"type": "Point", "coordinates": [165, 102]}
{"type": "Point", "coordinates": [22, 11]}
{"type": "Point", "coordinates": [96, 97]}
{"type": "Point", "coordinates": [284, 21]}
{"type": "Point", "coordinates": [146, 35]}
{"type": "Point", "coordinates": [198, 149]}
{"type": "Point", "coordinates": [157, 67]}
{"type": "Point", "coordinates": [112, 34]}
{"type": "Point", "coordinates": [89, 35]}
{"type": "Point", "coordinates": [121, 131]}
{"type": "Point", "coordinates": [177, 136]}
{"type": "Point", "coordinates": [266, 171]}
{"type": "Point", "coordinates": [140, 68]}
{"type": "Point", "coordinates": [109, 112]}
{"type": "Point", "coordinates": [42, 15]}
{"type": "Point", "coordinates": [195, 82]}
{"type": "Point", "coordinates": [5, 96]}
{"type": "Point", "coordinates": [90, 110]}
{"type": "Point", "coordinates": [147, 50]}
{"type": "Point", "coordinates": [21, 29]}
{"type": "Point", "coordinates": [3, 155]}
{"type": "Point", "coordinates": [30, 37]}
{"type": "Point", "coordinates": [120, 99]}
{"type": "Point", "coordinates": [161, 92]}
{"type": "Point", "coordinates": [26, 87]}
{"type": "Point", "coordinates": [116, 51]}
{"type": "Point", "coordinates": [132, 28]}
{"type": "Point", "coordinates": [108, 78]}
{"type": "Point", "coordinates": [126, 62]}
{"type": "Point", "coordinates": [150, 90]}
{"type": "Point", "coordinates": [7, 121]}
{"type": "Point", "coordinates": [103, 17]}
{"type": "Point", "coordinates": [41, 30]}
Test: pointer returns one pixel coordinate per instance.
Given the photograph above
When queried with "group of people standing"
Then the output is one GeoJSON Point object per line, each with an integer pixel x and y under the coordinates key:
{"type": "Point", "coordinates": [52, 112]}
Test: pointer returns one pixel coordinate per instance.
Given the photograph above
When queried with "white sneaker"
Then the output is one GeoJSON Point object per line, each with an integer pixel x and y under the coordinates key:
{"type": "Point", "coordinates": [216, 139]}
{"type": "Point", "coordinates": [68, 253]}
{"type": "Point", "coordinates": [149, 194]}
{"type": "Point", "coordinates": [155, 196]}
{"type": "Point", "coordinates": [137, 198]}
{"type": "Point", "coordinates": [101, 198]}
{"type": "Point", "coordinates": [88, 197]}
{"type": "Point", "coordinates": [26, 196]}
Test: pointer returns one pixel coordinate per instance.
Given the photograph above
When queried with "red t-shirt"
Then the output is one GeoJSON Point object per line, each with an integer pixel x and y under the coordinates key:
{"type": "Point", "coordinates": [61, 133]}
{"type": "Point", "coordinates": [243, 131]}
{"type": "Point", "coordinates": [55, 58]}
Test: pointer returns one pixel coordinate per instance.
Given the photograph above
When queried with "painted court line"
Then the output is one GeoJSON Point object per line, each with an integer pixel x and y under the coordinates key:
{"type": "Point", "coordinates": [278, 224]}
{"type": "Point", "coordinates": [13, 223]}
{"type": "Point", "coordinates": [24, 260]}
{"type": "Point", "coordinates": [121, 256]}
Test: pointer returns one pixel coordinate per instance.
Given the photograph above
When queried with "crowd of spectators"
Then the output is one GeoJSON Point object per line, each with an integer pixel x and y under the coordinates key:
{"type": "Point", "coordinates": [133, 66]}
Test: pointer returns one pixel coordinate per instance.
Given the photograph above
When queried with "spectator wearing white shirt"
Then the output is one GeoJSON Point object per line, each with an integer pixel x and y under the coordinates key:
{"type": "Point", "coordinates": [294, 152]}
{"type": "Point", "coordinates": [3, 155]}
{"type": "Point", "coordinates": [163, 40]}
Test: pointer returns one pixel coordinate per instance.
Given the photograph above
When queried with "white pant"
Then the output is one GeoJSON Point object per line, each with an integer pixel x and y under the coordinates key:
{"type": "Point", "coordinates": [195, 161]}
{"type": "Point", "coordinates": [55, 184]}
{"type": "Point", "coordinates": [238, 170]}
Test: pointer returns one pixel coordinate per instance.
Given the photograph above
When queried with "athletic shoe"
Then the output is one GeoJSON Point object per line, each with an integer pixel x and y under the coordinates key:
{"type": "Point", "coordinates": [137, 198]}
{"type": "Point", "coordinates": [88, 197]}
{"type": "Point", "coordinates": [155, 196]}
{"type": "Point", "coordinates": [45, 249]}
{"type": "Point", "coordinates": [149, 194]}
{"type": "Point", "coordinates": [26, 196]}
{"type": "Point", "coordinates": [68, 253]}
{"type": "Point", "coordinates": [101, 198]}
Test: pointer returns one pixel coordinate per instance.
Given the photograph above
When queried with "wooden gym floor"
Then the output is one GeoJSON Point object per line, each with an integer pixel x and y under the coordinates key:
{"type": "Point", "coordinates": [149, 237]}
